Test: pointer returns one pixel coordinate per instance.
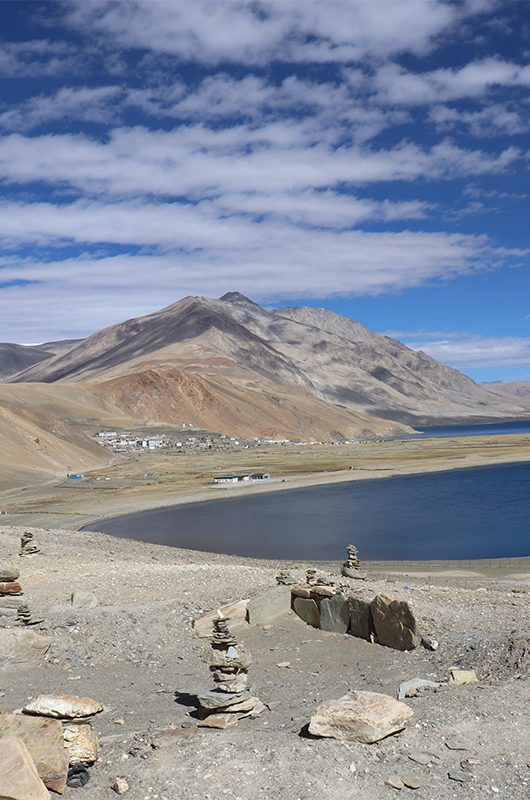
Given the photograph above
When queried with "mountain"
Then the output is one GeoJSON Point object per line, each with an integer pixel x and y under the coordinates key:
{"type": "Point", "coordinates": [17, 357]}
{"type": "Point", "coordinates": [518, 390]}
{"type": "Point", "coordinates": [232, 345]}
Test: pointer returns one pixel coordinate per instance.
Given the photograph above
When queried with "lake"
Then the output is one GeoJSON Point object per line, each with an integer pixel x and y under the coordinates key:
{"type": "Point", "coordinates": [483, 512]}
{"type": "Point", "coordinates": [486, 429]}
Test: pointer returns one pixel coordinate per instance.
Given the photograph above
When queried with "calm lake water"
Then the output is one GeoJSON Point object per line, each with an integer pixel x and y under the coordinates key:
{"type": "Point", "coordinates": [482, 512]}
{"type": "Point", "coordinates": [449, 431]}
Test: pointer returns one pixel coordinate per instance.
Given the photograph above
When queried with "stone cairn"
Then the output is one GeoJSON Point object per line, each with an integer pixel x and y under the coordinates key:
{"type": "Point", "coordinates": [25, 616]}
{"type": "Point", "coordinates": [351, 568]}
{"type": "Point", "coordinates": [284, 578]}
{"type": "Point", "coordinates": [10, 593]}
{"type": "Point", "coordinates": [28, 544]}
{"type": "Point", "coordinates": [229, 700]}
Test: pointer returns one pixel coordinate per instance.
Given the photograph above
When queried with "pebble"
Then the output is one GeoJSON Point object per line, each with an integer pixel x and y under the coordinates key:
{"type": "Point", "coordinates": [395, 783]}
{"type": "Point", "coordinates": [461, 777]}
{"type": "Point", "coordinates": [120, 786]}
{"type": "Point", "coordinates": [410, 781]}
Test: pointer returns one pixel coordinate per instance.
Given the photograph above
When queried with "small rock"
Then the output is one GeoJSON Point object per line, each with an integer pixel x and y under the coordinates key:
{"type": "Point", "coordinates": [469, 763]}
{"type": "Point", "coordinates": [235, 613]}
{"type": "Point", "coordinates": [429, 643]}
{"type": "Point", "coordinates": [284, 664]}
{"type": "Point", "coordinates": [8, 574]}
{"type": "Point", "coordinates": [120, 786]}
{"type": "Point", "coordinates": [461, 777]}
{"type": "Point", "coordinates": [220, 721]}
{"type": "Point", "coordinates": [395, 783]}
{"type": "Point", "coordinates": [462, 677]}
{"type": "Point", "coordinates": [83, 600]}
{"type": "Point", "coordinates": [81, 742]}
{"type": "Point", "coordinates": [410, 781]}
{"type": "Point", "coordinates": [353, 768]}
{"type": "Point", "coordinates": [414, 687]}
{"type": "Point", "coordinates": [10, 588]}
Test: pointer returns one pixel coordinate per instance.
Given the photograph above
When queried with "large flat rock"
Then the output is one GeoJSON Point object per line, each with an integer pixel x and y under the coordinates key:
{"type": "Point", "coordinates": [44, 741]}
{"type": "Point", "coordinates": [307, 610]}
{"type": "Point", "coordinates": [335, 614]}
{"type": "Point", "coordinates": [271, 605]}
{"type": "Point", "coordinates": [63, 706]}
{"type": "Point", "coordinates": [19, 779]}
{"type": "Point", "coordinates": [394, 623]}
{"type": "Point", "coordinates": [22, 646]}
{"type": "Point", "coordinates": [363, 717]}
{"type": "Point", "coordinates": [360, 618]}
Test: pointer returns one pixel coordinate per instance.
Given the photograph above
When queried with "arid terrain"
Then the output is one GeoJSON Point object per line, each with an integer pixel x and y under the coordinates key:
{"type": "Point", "coordinates": [136, 653]}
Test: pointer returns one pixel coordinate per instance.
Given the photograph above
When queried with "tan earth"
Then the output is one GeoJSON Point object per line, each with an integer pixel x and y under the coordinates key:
{"type": "Point", "coordinates": [136, 653]}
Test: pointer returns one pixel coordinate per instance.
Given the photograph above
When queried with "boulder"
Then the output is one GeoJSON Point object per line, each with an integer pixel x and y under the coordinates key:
{"type": "Point", "coordinates": [394, 623]}
{"type": "Point", "coordinates": [335, 614]}
{"type": "Point", "coordinates": [361, 624]}
{"type": "Point", "coordinates": [360, 717]}
{"type": "Point", "coordinates": [307, 610]}
{"type": "Point", "coordinates": [8, 574]}
{"type": "Point", "coordinates": [19, 779]}
{"type": "Point", "coordinates": [271, 605]}
{"type": "Point", "coordinates": [22, 646]}
{"type": "Point", "coordinates": [44, 740]}
{"type": "Point", "coordinates": [81, 742]}
{"type": "Point", "coordinates": [235, 613]}
{"type": "Point", "coordinates": [63, 706]}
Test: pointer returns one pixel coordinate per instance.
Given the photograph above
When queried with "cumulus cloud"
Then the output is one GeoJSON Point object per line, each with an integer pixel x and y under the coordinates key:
{"type": "Point", "coordinates": [37, 57]}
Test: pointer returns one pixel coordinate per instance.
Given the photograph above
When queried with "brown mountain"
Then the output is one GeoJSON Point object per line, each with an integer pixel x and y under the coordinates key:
{"type": "Point", "coordinates": [17, 357]}
{"type": "Point", "coordinates": [297, 351]}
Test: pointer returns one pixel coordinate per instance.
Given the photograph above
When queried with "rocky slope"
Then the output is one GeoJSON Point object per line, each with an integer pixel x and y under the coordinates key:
{"type": "Point", "coordinates": [18, 357]}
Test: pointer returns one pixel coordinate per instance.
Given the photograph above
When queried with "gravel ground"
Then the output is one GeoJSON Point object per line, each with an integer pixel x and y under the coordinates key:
{"type": "Point", "coordinates": [137, 654]}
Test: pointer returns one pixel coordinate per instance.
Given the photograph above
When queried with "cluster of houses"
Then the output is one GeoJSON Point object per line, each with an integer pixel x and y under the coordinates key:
{"type": "Point", "coordinates": [233, 477]}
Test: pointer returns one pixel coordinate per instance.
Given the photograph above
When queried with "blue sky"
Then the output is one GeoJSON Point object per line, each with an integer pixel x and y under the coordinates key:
{"type": "Point", "coordinates": [368, 156]}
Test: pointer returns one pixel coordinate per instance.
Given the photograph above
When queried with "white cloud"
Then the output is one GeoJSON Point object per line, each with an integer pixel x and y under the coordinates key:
{"type": "Point", "coordinates": [395, 85]}
{"type": "Point", "coordinates": [258, 32]}
{"type": "Point", "coordinates": [492, 120]}
{"type": "Point", "coordinates": [80, 103]}
{"type": "Point", "coordinates": [36, 57]}
{"type": "Point", "coordinates": [474, 352]}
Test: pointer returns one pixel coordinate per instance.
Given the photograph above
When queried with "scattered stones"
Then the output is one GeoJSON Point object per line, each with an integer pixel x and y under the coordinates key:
{"type": "Point", "coordinates": [28, 544]}
{"type": "Point", "coordinates": [44, 740]}
{"type": "Point", "coordinates": [235, 613]}
{"type": "Point", "coordinates": [335, 614]}
{"type": "Point", "coordinates": [461, 677]}
{"type": "Point", "coordinates": [83, 600]}
{"type": "Point", "coordinates": [351, 568]}
{"type": "Point", "coordinates": [19, 779]}
{"type": "Point", "coordinates": [314, 577]}
{"type": "Point", "coordinates": [394, 623]}
{"type": "Point", "coordinates": [360, 717]}
{"type": "Point", "coordinates": [415, 687]}
{"type": "Point", "coordinates": [120, 786]}
{"type": "Point", "coordinates": [269, 606]}
{"type": "Point", "coordinates": [307, 610]}
{"type": "Point", "coordinates": [461, 777]}
{"type": "Point", "coordinates": [63, 706]}
{"type": "Point", "coordinates": [285, 578]}
{"type": "Point", "coordinates": [81, 743]}
{"type": "Point", "coordinates": [22, 646]}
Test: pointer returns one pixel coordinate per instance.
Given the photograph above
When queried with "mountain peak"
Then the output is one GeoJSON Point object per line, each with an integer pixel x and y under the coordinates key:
{"type": "Point", "coordinates": [237, 297]}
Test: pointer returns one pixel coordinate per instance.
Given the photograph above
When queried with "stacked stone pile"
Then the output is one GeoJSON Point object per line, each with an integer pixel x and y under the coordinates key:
{"type": "Point", "coordinates": [351, 568]}
{"type": "Point", "coordinates": [229, 700]}
{"type": "Point", "coordinates": [10, 594]}
{"type": "Point", "coordinates": [25, 617]}
{"type": "Point", "coordinates": [28, 544]}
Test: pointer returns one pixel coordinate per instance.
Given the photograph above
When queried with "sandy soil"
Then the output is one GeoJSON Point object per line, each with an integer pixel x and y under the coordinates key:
{"type": "Point", "coordinates": [135, 652]}
{"type": "Point", "coordinates": [150, 480]}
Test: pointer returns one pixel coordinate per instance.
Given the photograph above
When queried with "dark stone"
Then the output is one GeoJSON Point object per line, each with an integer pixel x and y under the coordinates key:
{"type": "Point", "coordinates": [361, 624]}
{"type": "Point", "coordinates": [394, 623]}
{"type": "Point", "coordinates": [307, 610]}
{"type": "Point", "coordinates": [334, 614]}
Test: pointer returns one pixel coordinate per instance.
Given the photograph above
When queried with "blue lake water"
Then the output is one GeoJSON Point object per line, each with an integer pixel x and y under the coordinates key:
{"type": "Point", "coordinates": [482, 512]}
{"type": "Point", "coordinates": [449, 431]}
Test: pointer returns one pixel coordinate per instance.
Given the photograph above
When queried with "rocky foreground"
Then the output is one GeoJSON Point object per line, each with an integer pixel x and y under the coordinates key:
{"type": "Point", "coordinates": [127, 641]}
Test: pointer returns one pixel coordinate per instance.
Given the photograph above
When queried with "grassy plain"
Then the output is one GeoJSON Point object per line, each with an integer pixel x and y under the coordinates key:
{"type": "Point", "coordinates": [147, 480]}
